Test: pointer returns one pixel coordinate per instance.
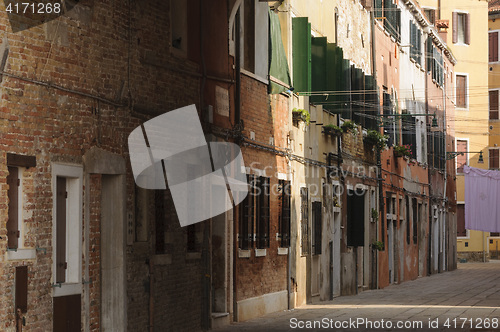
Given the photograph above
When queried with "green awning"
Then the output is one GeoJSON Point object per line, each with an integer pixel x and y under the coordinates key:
{"type": "Point", "coordinates": [278, 64]}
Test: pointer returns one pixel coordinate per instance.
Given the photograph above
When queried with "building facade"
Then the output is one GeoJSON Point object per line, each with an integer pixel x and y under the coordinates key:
{"type": "Point", "coordinates": [306, 90]}
{"type": "Point", "coordinates": [463, 28]}
{"type": "Point", "coordinates": [492, 156]}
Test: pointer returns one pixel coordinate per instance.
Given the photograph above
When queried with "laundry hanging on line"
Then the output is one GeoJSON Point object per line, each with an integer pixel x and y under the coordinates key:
{"type": "Point", "coordinates": [482, 199]}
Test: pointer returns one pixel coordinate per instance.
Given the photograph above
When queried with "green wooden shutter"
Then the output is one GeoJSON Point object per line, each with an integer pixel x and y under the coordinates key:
{"type": "Point", "coordinates": [278, 64]}
{"type": "Point", "coordinates": [301, 50]}
{"type": "Point", "coordinates": [318, 56]}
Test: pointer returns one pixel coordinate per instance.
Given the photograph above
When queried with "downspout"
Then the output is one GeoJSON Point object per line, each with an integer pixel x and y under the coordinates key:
{"type": "Point", "coordinates": [429, 169]}
{"type": "Point", "coordinates": [379, 162]}
{"type": "Point", "coordinates": [445, 254]}
{"type": "Point", "coordinates": [151, 298]}
{"type": "Point", "coordinates": [237, 110]}
{"type": "Point", "coordinates": [206, 277]}
{"type": "Point", "coordinates": [237, 51]}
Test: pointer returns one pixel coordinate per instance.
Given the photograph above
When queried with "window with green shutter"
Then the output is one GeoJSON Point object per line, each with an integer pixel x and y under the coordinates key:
{"type": "Point", "coordinates": [301, 54]}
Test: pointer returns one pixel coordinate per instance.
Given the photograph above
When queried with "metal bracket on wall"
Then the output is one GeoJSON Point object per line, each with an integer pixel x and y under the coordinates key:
{"type": "Point", "coordinates": [89, 282]}
{"type": "Point", "coordinates": [38, 249]}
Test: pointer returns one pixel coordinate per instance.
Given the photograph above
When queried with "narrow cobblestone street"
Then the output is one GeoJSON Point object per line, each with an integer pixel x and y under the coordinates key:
{"type": "Point", "coordinates": [469, 294]}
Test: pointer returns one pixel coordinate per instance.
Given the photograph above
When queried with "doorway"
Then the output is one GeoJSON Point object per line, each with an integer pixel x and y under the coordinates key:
{"type": "Point", "coordinates": [113, 290]}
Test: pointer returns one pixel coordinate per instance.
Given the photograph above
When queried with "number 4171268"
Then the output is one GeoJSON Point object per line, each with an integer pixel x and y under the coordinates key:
{"type": "Point", "coordinates": [33, 8]}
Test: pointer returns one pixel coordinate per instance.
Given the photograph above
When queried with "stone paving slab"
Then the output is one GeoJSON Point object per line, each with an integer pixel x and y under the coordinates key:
{"type": "Point", "coordinates": [471, 292]}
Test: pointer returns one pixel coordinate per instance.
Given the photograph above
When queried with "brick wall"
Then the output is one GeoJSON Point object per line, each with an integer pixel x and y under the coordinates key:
{"type": "Point", "coordinates": [92, 100]}
{"type": "Point", "coordinates": [266, 116]}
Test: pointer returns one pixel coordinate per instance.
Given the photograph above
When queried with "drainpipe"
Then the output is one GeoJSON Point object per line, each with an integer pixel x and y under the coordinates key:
{"type": "Point", "coordinates": [445, 175]}
{"type": "Point", "coordinates": [379, 162]}
{"type": "Point", "coordinates": [237, 51]}
{"type": "Point", "coordinates": [237, 109]}
{"type": "Point", "coordinates": [151, 298]}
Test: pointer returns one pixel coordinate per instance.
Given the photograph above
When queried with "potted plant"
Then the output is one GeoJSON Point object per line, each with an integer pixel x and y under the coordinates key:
{"type": "Point", "coordinates": [402, 150]}
{"type": "Point", "coordinates": [331, 129]}
{"type": "Point", "coordinates": [349, 126]}
{"type": "Point", "coordinates": [299, 114]}
{"type": "Point", "coordinates": [375, 138]}
{"type": "Point", "coordinates": [374, 215]}
{"type": "Point", "coordinates": [336, 202]}
{"type": "Point", "coordinates": [378, 245]}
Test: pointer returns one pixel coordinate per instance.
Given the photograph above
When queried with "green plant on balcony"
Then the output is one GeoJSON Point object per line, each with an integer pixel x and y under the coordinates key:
{"type": "Point", "coordinates": [378, 245]}
{"type": "Point", "coordinates": [402, 150]}
{"type": "Point", "coordinates": [299, 114]}
{"type": "Point", "coordinates": [331, 129]}
{"type": "Point", "coordinates": [349, 126]}
{"type": "Point", "coordinates": [374, 215]}
{"type": "Point", "coordinates": [375, 138]}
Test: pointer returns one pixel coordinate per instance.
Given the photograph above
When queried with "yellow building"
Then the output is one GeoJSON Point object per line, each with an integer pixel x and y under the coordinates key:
{"type": "Point", "coordinates": [494, 90]}
{"type": "Point", "coordinates": [464, 24]}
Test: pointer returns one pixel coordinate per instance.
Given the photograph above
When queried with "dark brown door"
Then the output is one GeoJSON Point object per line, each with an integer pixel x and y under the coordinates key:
{"type": "Point", "coordinates": [67, 313]}
{"type": "Point", "coordinates": [61, 230]}
{"type": "Point", "coordinates": [13, 222]}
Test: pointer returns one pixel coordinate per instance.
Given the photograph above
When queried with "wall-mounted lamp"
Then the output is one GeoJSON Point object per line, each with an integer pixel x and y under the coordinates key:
{"type": "Point", "coordinates": [453, 154]}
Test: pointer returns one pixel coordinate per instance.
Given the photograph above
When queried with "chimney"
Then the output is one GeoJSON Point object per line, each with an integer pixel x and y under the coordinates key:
{"type": "Point", "coordinates": [442, 26]}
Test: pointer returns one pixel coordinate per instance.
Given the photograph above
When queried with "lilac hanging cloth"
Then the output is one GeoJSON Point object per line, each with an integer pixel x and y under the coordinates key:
{"type": "Point", "coordinates": [482, 199]}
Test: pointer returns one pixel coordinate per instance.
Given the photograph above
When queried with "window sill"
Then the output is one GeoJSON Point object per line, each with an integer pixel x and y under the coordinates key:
{"type": "Point", "coordinates": [254, 76]}
{"type": "Point", "coordinates": [461, 108]}
{"type": "Point", "coordinates": [282, 251]}
{"type": "Point", "coordinates": [260, 252]}
{"type": "Point", "coordinates": [244, 253]}
{"type": "Point", "coordinates": [193, 255]}
{"type": "Point", "coordinates": [164, 259]}
{"type": "Point", "coordinates": [21, 254]}
{"type": "Point", "coordinates": [67, 289]}
{"type": "Point", "coordinates": [336, 209]}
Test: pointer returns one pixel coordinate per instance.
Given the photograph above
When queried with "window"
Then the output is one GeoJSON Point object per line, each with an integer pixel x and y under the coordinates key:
{"type": "Point", "coordinates": [461, 231]}
{"type": "Point", "coordinates": [461, 158]}
{"type": "Point", "coordinates": [317, 227]}
{"type": "Point", "coordinates": [461, 92]}
{"type": "Point", "coordinates": [438, 141]}
{"type": "Point", "coordinates": [431, 15]}
{"type": "Point", "coordinates": [67, 228]}
{"type": "Point", "coordinates": [301, 50]}
{"type": "Point", "coordinates": [255, 25]}
{"type": "Point", "coordinates": [15, 216]}
{"type": "Point", "coordinates": [255, 215]}
{"type": "Point", "coordinates": [18, 166]}
{"type": "Point", "coordinates": [461, 28]}
{"type": "Point", "coordinates": [263, 216]}
{"type": "Point", "coordinates": [493, 157]}
{"type": "Point", "coordinates": [355, 217]}
{"type": "Point", "coordinates": [437, 64]}
{"type": "Point", "coordinates": [408, 226]}
{"type": "Point", "coordinates": [194, 237]}
{"type": "Point", "coordinates": [389, 10]}
{"type": "Point", "coordinates": [493, 104]}
{"type": "Point", "coordinates": [247, 216]}
{"type": "Point", "coordinates": [416, 43]}
{"type": "Point", "coordinates": [415, 220]}
{"type": "Point", "coordinates": [409, 124]}
{"type": "Point", "coordinates": [179, 29]}
{"type": "Point", "coordinates": [285, 197]}
{"type": "Point", "coordinates": [160, 221]}
{"type": "Point", "coordinates": [304, 221]}
{"type": "Point", "coordinates": [493, 46]}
